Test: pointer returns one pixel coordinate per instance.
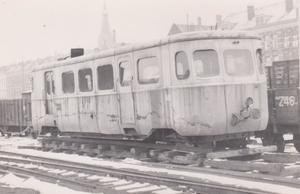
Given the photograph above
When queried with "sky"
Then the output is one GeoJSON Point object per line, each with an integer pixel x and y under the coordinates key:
{"type": "Point", "coordinates": [32, 29]}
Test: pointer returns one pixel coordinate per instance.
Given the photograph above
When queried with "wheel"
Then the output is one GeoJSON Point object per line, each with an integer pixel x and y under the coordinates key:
{"type": "Point", "coordinates": [279, 142]}
{"type": "Point", "coordinates": [267, 139]}
{"type": "Point", "coordinates": [2, 133]}
{"type": "Point", "coordinates": [297, 145]}
{"type": "Point", "coordinates": [34, 135]}
{"type": "Point", "coordinates": [274, 139]}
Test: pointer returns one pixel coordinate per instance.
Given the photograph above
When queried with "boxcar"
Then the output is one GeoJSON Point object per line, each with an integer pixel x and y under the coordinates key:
{"type": "Point", "coordinates": [192, 87]}
{"type": "Point", "coordinates": [15, 104]}
{"type": "Point", "coordinates": [283, 98]}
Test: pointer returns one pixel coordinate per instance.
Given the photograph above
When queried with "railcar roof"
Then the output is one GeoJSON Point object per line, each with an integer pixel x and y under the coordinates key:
{"type": "Point", "coordinates": [189, 36]}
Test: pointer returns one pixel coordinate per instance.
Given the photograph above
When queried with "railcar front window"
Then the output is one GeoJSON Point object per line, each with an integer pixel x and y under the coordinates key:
{"type": "Point", "coordinates": [259, 60]}
{"type": "Point", "coordinates": [68, 85]}
{"type": "Point", "coordinates": [206, 63]}
{"type": "Point", "coordinates": [148, 70]}
{"type": "Point", "coordinates": [238, 62]}
{"type": "Point", "coordinates": [125, 73]}
{"type": "Point", "coordinates": [85, 77]}
{"type": "Point", "coordinates": [105, 77]}
{"type": "Point", "coordinates": [182, 66]}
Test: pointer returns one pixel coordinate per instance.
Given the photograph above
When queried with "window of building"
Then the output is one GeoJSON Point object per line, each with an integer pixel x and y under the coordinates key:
{"type": "Point", "coordinates": [275, 41]}
{"type": "Point", "coordinates": [125, 73]}
{"type": "Point", "coordinates": [105, 77]}
{"type": "Point", "coordinates": [68, 84]}
{"type": "Point", "coordinates": [268, 43]}
{"type": "Point", "coordinates": [288, 41]}
{"type": "Point", "coordinates": [295, 40]}
{"type": "Point", "coordinates": [206, 63]}
{"type": "Point", "coordinates": [182, 65]}
{"type": "Point", "coordinates": [148, 70]}
{"type": "Point", "coordinates": [260, 20]}
{"type": "Point", "coordinates": [260, 61]}
{"type": "Point", "coordinates": [238, 62]}
{"type": "Point", "coordinates": [85, 78]}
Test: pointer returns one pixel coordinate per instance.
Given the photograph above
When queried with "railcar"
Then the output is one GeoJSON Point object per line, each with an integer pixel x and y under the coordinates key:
{"type": "Point", "coordinates": [193, 87]}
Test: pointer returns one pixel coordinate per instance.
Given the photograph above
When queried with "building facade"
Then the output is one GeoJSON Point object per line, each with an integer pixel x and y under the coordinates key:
{"type": "Point", "coordinates": [278, 24]}
{"type": "Point", "coordinates": [180, 28]}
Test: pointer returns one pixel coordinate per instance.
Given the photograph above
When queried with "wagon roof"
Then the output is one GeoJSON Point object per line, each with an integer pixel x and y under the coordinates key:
{"type": "Point", "coordinates": [189, 36]}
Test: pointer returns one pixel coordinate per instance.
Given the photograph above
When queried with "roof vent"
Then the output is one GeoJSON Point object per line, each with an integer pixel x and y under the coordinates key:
{"type": "Point", "coordinates": [77, 52]}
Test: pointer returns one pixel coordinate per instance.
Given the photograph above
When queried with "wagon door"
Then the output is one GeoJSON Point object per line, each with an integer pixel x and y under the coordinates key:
{"type": "Point", "coordinates": [125, 91]}
{"type": "Point", "coordinates": [49, 92]}
{"type": "Point", "coordinates": [26, 97]}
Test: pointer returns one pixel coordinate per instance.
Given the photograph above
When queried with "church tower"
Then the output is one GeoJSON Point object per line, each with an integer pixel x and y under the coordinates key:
{"type": "Point", "coordinates": [106, 39]}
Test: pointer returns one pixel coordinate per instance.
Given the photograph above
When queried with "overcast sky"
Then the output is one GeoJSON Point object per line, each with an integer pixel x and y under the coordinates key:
{"type": "Point", "coordinates": [31, 29]}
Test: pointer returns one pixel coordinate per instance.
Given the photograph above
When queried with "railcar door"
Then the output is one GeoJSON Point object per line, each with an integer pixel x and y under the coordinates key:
{"type": "Point", "coordinates": [49, 92]}
{"type": "Point", "coordinates": [125, 91]}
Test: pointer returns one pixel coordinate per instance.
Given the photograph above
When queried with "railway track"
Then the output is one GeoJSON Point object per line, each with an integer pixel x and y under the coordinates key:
{"type": "Point", "coordinates": [64, 172]}
{"type": "Point", "coordinates": [186, 184]}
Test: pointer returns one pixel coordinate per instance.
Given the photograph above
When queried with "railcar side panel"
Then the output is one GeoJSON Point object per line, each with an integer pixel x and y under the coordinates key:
{"type": "Point", "coordinates": [151, 112]}
{"type": "Point", "coordinates": [66, 98]}
{"type": "Point", "coordinates": [86, 103]}
{"type": "Point", "coordinates": [107, 104]}
{"type": "Point", "coordinates": [150, 98]}
{"type": "Point", "coordinates": [108, 117]}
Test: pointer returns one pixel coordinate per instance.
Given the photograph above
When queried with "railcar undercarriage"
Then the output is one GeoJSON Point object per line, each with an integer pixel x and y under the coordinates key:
{"type": "Point", "coordinates": [237, 140]}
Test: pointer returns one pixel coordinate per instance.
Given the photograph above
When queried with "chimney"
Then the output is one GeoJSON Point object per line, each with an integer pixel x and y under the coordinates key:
{"type": "Point", "coordinates": [219, 20]}
{"type": "Point", "coordinates": [250, 10]}
{"type": "Point", "coordinates": [199, 21]}
{"type": "Point", "coordinates": [288, 5]}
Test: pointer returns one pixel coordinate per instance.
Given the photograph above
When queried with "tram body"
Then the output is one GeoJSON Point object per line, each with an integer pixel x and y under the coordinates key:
{"type": "Point", "coordinates": [205, 86]}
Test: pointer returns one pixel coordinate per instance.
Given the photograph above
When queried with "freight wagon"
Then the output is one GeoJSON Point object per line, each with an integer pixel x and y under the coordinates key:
{"type": "Point", "coordinates": [15, 102]}
{"type": "Point", "coordinates": [283, 99]}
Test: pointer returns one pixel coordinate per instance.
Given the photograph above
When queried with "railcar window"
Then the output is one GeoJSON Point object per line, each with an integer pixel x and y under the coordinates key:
{"type": "Point", "coordinates": [48, 85]}
{"type": "Point", "coordinates": [53, 86]}
{"type": "Point", "coordinates": [85, 80]}
{"type": "Point", "coordinates": [125, 73]}
{"type": "Point", "coordinates": [105, 77]}
{"type": "Point", "coordinates": [68, 85]}
{"type": "Point", "coordinates": [182, 65]}
{"type": "Point", "coordinates": [238, 62]}
{"type": "Point", "coordinates": [206, 63]}
{"type": "Point", "coordinates": [259, 60]}
{"type": "Point", "coordinates": [148, 70]}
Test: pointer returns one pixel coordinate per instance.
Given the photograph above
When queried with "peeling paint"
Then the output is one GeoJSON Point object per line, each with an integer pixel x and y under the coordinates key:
{"type": "Point", "coordinates": [139, 117]}
{"type": "Point", "coordinates": [113, 116]}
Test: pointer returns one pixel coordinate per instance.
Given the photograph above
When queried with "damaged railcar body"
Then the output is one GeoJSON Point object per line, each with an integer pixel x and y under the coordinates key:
{"type": "Point", "coordinates": [202, 86]}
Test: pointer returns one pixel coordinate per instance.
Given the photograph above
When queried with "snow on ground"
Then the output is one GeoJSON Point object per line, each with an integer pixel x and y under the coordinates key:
{"type": "Point", "coordinates": [44, 188]}
{"type": "Point", "coordinates": [11, 144]}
